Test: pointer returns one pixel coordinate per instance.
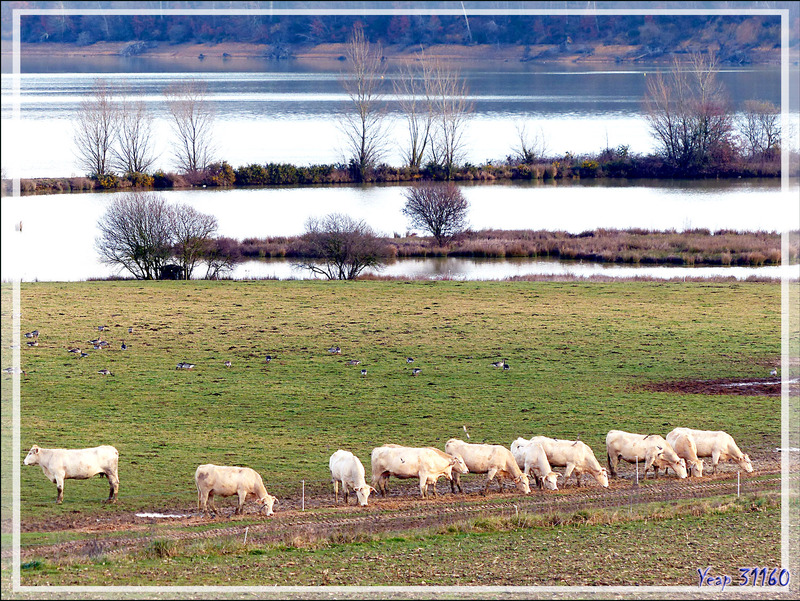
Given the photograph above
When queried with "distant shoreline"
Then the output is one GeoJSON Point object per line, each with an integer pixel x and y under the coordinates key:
{"type": "Point", "coordinates": [332, 53]}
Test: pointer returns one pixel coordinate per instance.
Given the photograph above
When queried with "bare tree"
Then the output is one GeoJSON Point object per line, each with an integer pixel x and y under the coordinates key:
{"type": "Point", "coordinates": [133, 152]}
{"type": "Point", "coordinates": [688, 113]}
{"type": "Point", "coordinates": [192, 122]}
{"type": "Point", "coordinates": [413, 91]}
{"type": "Point", "coordinates": [440, 209]}
{"type": "Point", "coordinates": [363, 124]}
{"type": "Point", "coordinates": [530, 147]}
{"type": "Point", "coordinates": [191, 231]}
{"type": "Point", "coordinates": [220, 255]}
{"type": "Point", "coordinates": [760, 129]}
{"type": "Point", "coordinates": [342, 246]}
{"type": "Point", "coordinates": [452, 110]}
{"type": "Point", "coordinates": [135, 233]}
{"type": "Point", "coordinates": [96, 130]}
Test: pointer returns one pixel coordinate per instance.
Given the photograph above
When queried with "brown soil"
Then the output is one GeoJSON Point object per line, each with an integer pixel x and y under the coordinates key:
{"type": "Point", "coordinates": [770, 386]}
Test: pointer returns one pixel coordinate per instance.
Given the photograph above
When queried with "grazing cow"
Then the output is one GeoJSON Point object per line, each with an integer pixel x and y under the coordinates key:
{"type": "Point", "coordinates": [490, 459]}
{"type": "Point", "coordinates": [532, 459]}
{"type": "Point", "coordinates": [79, 464]}
{"type": "Point", "coordinates": [227, 481]}
{"type": "Point", "coordinates": [427, 463]}
{"type": "Point", "coordinates": [574, 455]}
{"type": "Point", "coordinates": [686, 449]}
{"type": "Point", "coordinates": [348, 469]}
{"type": "Point", "coordinates": [718, 445]}
{"type": "Point", "coordinates": [650, 448]}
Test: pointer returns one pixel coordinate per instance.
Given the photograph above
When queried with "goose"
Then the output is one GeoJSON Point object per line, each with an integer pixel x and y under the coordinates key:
{"type": "Point", "coordinates": [102, 328]}
{"type": "Point", "coordinates": [83, 355]}
{"type": "Point", "coordinates": [130, 330]}
{"type": "Point", "coordinates": [34, 334]}
{"type": "Point", "coordinates": [228, 364]}
{"type": "Point", "coordinates": [335, 350]}
{"type": "Point", "coordinates": [500, 363]}
{"type": "Point", "coordinates": [416, 371]}
{"type": "Point", "coordinates": [184, 365]}
{"type": "Point", "coordinates": [124, 347]}
{"type": "Point", "coordinates": [506, 366]}
{"type": "Point", "coordinates": [268, 358]}
{"type": "Point", "coordinates": [75, 350]}
{"type": "Point", "coordinates": [105, 372]}
{"type": "Point", "coordinates": [363, 372]}
{"type": "Point", "coordinates": [774, 372]}
{"type": "Point", "coordinates": [33, 343]}
{"type": "Point", "coordinates": [354, 362]}
{"type": "Point", "coordinates": [15, 370]}
{"type": "Point", "coordinates": [409, 359]}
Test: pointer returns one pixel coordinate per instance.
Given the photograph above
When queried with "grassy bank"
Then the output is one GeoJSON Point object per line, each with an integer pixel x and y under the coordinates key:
{"type": "Point", "coordinates": [636, 246]}
{"type": "Point", "coordinates": [580, 355]}
{"type": "Point", "coordinates": [584, 548]}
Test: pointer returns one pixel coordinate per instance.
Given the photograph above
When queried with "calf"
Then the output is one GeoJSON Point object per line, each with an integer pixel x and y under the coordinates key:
{"type": "Point", "coordinates": [348, 469]}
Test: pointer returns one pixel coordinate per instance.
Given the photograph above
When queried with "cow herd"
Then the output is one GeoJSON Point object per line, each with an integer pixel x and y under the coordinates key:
{"type": "Point", "coordinates": [683, 451]}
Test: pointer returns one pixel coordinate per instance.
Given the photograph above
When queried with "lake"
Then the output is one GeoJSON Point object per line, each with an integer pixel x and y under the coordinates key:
{"type": "Point", "coordinates": [58, 231]}
{"type": "Point", "coordinates": [281, 112]}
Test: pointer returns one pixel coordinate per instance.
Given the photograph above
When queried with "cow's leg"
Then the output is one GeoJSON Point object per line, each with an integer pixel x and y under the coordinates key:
{"type": "Point", "coordinates": [58, 480]}
{"type": "Point", "coordinates": [335, 491]}
{"type": "Point", "coordinates": [423, 486]}
{"type": "Point", "coordinates": [211, 504]}
{"type": "Point", "coordinates": [455, 481]}
{"type": "Point", "coordinates": [346, 492]}
{"type": "Point", "coordinates": [568, 472]}
{"type": "Point", "coordinates": [612, 464]}
{"type": "Point", "coordinates": [714, 461]}
{"type": "Point", "coordinates": [113, 484]}
{"type": "Point", "coordinates": [242, 497]}
{"type": "Point", "coordinates": [202, 500]}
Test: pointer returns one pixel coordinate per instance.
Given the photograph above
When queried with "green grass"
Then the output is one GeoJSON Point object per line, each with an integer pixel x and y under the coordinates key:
{"type": "Point", "coordinates": [580, 353]}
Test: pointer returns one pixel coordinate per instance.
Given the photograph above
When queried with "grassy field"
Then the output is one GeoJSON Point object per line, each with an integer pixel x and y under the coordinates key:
{"type": "Point", "coordinates": [580, 354]}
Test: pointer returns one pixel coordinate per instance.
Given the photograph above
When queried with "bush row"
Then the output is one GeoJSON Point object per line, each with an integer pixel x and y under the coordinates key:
{"type": "Point", "coordinates": [611, 163]}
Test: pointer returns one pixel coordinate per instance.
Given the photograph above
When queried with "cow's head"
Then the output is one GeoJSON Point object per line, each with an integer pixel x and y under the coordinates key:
{"type": "Point", "coordinates": [680, 467]}
{"type": "Point", "coordinates": [523, 484]}
{"type": "Point", "coordinates": [745, 463]}
{"type": "Point", "coordinates": [267, 503]}
{"type": "Point", "coordinates": [550, 481]}
{"type": "Point", "coordinates": [362, 492]}
{"type": "Point", "coordinates": [602, 477]}
{"type": "Point", "coordinates": [458, 465]}
{"type": "Point", "coordinates": [33, 456]}
{"type": "Point", "coordinates": [696, 468]}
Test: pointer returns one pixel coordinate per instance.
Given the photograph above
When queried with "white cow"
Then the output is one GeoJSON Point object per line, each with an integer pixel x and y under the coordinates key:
{"type": "Point", "coordinates": [650, 448]}
{"type": "Point", "coordinates": [226, 481]}
{"type": "Point", "coordinates": [348, 469]}
{"type": "Point", "coordinates": [686, 449]}
{"type": "Point", "coordinates": [80, 464]}
{"type": "Point", "coordinates": [532, 459]}
{"type": "Point", "coordinates": [494, 460]}
{"type": "Point", "coordinates": [718, 445]}
{"type": "Point", "coordinates": [426, 463]}
{"type": "Point", "coordinates": [574, 455]}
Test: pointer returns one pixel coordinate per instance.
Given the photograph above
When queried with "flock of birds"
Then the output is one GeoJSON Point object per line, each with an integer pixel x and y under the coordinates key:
{"type": "Point", "coordinates": [100, 344]}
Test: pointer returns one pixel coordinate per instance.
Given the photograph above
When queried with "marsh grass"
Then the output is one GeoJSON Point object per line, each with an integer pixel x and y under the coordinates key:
{"type": "Point", "coordinates": [580, 354]}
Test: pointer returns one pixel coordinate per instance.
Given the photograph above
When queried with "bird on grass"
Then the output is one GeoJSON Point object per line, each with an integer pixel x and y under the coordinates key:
{"type": "Point", "coordinates": [228, 364]}
{"type": "Point", "coordinates": [416, 371]}
{"type": "Point", "coordinates": [130, 330]}
{"type": "Point", "coordinates": [102, 328]}
{"type": "Point", "coordinates": [105, 372]}
{"type": "Point", "coordinates": [500, 363]}
{"type": "Point", "coordinates": [335, 350]}
{"type": "Point", "coordinates": [83, 355]}
{"type": "Point", "coordinates": [363, 372]}
{"type": "Point", "coordinates": [354, 362]}
{"type": "Point", "coordinates": [774, 372]}
{"type": "Point", "coordinates": [409, 359]}
{"type": "Point", "coordinates": [506, 366]}
{"type": "Point", "coordinates": [268, 358]}
{"type": "Point", "coordinates": [75, 350]}
{"type": "Point", "coordinates": [33, 343]}
{"type": "Point", "coordinates": [184, 365]}
{"type": "Point", "coordinates": [15, 370]}
{"type": "Point", "coordinates": [34, 334]}
{"type": "Point", "coordinates": [124, 347]}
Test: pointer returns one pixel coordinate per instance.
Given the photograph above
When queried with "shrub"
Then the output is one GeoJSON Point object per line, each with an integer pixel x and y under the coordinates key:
{"type": "Point", "coordinates": [219, 174]}
{"type": "Point", "coordinates": [140, 180]}
{"type": "Point", "coordinates": [107, 181]}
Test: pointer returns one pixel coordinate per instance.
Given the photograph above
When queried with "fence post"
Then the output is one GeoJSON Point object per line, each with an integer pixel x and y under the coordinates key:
{"type": "Point", "coordinates": [738, 473]}
{"type": "Point", "coordinates": [637, 469]}
{"type": "Point", "coordinates": [245, 535]}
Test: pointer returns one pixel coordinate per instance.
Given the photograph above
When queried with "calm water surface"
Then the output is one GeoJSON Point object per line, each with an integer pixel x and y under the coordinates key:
{"type": "Point", "coordinates": [57, 241]}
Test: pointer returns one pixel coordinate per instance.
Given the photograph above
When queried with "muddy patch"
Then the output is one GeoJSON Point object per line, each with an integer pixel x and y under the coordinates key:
{"type": "Point", "coordinates": [748, 387]}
